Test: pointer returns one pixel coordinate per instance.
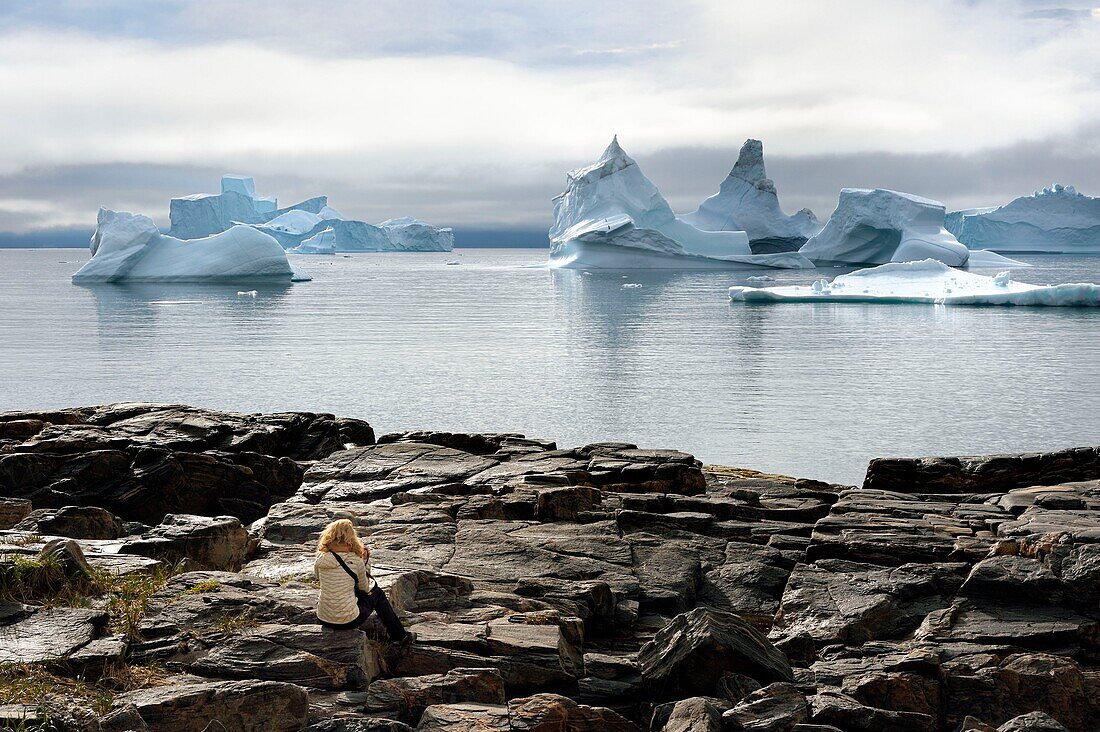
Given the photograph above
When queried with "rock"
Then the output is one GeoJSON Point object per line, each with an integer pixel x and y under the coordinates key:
{"type": "Point", "coordinates": [982, 474]}
{"type": "Point", "coordinates": [358, 725]}
{"type": "Point", "coordinates": [1021, 683]}
{"type": "Point", "coordinates": [217, 543]}
{"type": "Point", "coordinates": [462, 716]}
{"type": "Point", "coordinates": [1022, 578]}
{"type": "Point", "coordinates": [48, 634]}
{"type": "Point", "coordinates": [75, 522]}
{"type": "Point", "coordinates": [834, 601]}
{"type": "Point", "coordinates": [1032, 722]}
{"type": "Point", "coordinates": [307, 655]}
{"type": "Point", "coordinates": [840, 710]}
{"type": "Point", "coordinates": [697, 714]}
{"type": "Point", "coordinates": [774, 708]}
{"type": "Point", "coordinates": [12, 511]}
{"type": "Point", "coordinates": [248, 706]}
{"type": "Point", "coordinates": [690, 654]}
{"type": "Point", "coordinates": [146, 483]}
{"type": "Point", "coordinates": [551, 712]}
{"type": "Point", "coordinates": [405, 699]}
{"type": "Point", "coordinates": [1036, 628]}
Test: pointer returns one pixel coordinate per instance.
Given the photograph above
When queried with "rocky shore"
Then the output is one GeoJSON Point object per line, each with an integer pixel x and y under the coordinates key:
{"type": "Point", "coordinates": [156, 574]}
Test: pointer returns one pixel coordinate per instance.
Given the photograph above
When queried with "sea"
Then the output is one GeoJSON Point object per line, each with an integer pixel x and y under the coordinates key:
{"type": "Point", "coordinates": [493, 340]}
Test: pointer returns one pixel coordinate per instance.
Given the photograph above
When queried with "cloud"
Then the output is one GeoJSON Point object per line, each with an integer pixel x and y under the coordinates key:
{"type": "Point", "coordinates": [426, 108]}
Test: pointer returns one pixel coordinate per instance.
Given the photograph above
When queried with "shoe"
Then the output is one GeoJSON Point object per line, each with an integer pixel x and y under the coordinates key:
{"type": "Point", "coordinates": [405, 641]}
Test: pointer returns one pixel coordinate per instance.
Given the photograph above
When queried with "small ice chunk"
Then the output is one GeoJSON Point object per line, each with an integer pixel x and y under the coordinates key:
{"type": "Point", "coordinates": [247, 293]}
{"type": "Point", "coordinates": [1002, 279]}
{"type": "Point", "coordinates": [761, 278]}
{"type": "Point", "coordinates": [630, 285]}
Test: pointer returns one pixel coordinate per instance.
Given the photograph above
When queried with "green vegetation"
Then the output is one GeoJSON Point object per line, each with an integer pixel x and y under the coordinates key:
{"type": "Point", "coordinates": [232, 623]}
{"type": "Point", "coordinates": [46, 580]}
{"type": "Point", "coordinates": [202, 587]}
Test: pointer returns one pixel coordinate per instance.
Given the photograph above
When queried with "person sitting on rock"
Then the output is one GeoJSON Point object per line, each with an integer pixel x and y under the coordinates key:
{"type": "Point", "coordinates": [348, 592]}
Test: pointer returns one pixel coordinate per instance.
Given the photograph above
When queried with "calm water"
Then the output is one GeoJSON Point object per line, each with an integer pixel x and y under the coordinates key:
{"type": "Point", "coordinates": [499, 343]}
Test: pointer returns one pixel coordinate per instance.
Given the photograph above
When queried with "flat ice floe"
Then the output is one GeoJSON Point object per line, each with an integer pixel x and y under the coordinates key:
{"type": "Point", "coordinates": [927, 281]}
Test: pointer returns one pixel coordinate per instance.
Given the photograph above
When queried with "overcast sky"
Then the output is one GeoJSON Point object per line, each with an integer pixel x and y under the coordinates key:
{"type": "Point", "coordinates": [470, 113]}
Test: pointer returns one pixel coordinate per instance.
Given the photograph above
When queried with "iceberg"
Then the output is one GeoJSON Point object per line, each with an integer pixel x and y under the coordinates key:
{"type": "Point", "coordinates": [878, 226]}
{"type": "Point", "coordinates": [1057, 220]}
{"type": "Point", "coordinates": [203, 214]}
{"type": "Point", "coordinates": [129, 247]}
{"type": "Point", "coordinates": [611, 216]}
{"type": "Point", "coordinates": [324, 242]}
{"type": "Point", "coordinates": [927, 281]}
{"type": "Point", "coordinates": [747, 201]}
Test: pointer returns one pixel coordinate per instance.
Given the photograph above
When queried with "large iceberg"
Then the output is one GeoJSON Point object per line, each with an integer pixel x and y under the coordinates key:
{"type": "Point", "coordinates": [1058, 219]}
{"type": "Point", "coordinates": [612, 216]}
{"type": "Point", "coordinates": [927, 281]}
{"type": "Point", "coordinates": [129, 247]}
{"type": "Point", "coordinates": [878, 226]}
{"type": "Point", "coordinates": [747, 201]}
{"type": "Point", "coordinates": [205, 214]}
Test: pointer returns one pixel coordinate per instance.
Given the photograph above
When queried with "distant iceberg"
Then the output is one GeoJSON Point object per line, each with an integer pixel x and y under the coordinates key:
{"type": "Point", "coordinates": [612, 216]}
{"type": "Point", "coordinates": [129, 248]}
{"type": "Point", "coordinates": [878, 226]}
{"type": "Point", "coordinates": [747, 201]}
{"type": "Point", "coordinates": [1058, 219]}
{"type": "Point", "coordinates": [928, 281]}
{"type": "Point", "coordinates": [202, 214]}
{"type": "Point", "coordinates": [323, 242]}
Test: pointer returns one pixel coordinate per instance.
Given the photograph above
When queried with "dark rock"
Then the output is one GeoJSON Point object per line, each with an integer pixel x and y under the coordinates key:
{"type": "Point", "coordinates": [551, 712]}
{"type": "Point", "coordinates": [12, 511]}
{"type": "Point", "coordinates": [689, 655]}
{"type": "Point", "coordinates": [248, 706]}
{"type": "Point", "coordinates": [697, 714]}
{"type": "Point", "coordinates": [841, 710]}
{"type": "Point", "coordinates": [75, 522]}
{"type": "Point", "coordinates": [844, 602]}
{"type": "Point", "coordinates": [1033, 722]}
{"type": "Point", "coordinates": [775, 708]}
{"type": "Point", "coordinates": [359, 725]}
{"type": "Point", "coordinates": [1024, 579]}
{"type": "Point", "coordinates": [306, 655]}
{"type": "Point", "coordinates": [218, 543]}
{"type": "Point", "coordinates": [463, 716]}
{"type": "Point", "coordinates": [984, 473]}
{"type": "Point", "coordinates": [48, 634]}
{"type": "Point", "coordinates": [406, 698]}
{"type": "Point", "coordinates": [1037, 628]}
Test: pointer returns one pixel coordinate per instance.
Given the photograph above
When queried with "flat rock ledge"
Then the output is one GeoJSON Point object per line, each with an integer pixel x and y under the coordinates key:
{"type": "Point", "coordinates": [601, 587]}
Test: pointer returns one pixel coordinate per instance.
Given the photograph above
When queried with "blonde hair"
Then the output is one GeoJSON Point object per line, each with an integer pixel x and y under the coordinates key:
{"type": "Point", "coordinates": [340, 536]}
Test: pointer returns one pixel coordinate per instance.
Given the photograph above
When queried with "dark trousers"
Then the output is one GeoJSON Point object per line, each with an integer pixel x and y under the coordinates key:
{"type": "Point", "coordinates": [376, 601]}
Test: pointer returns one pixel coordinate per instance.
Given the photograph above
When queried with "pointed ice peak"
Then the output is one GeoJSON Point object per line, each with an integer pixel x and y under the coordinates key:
{"type": "Point", "coordinates": [750, 165]}
{"type": "Point", "coordinates": [615, 152]}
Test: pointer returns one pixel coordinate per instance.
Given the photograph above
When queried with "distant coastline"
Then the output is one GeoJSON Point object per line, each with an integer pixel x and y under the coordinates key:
{"type": "Point", "coordinates": [522, 238]}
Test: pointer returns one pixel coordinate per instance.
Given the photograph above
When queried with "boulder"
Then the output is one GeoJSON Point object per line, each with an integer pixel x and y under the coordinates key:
{"type": "Point", "coordinates": [689, 655]}
{"type": "Point", "coordinates": [465, 716]}
{"type": "Point", "coordinates": [47, 634]}
{"type": "Point", "coordinates": [248, 706]}
{"type": "Point", "coordinates": [840, 710]}
{"type": "Point", "coordinates": [1032, 722]}
{"type": "Point", "coordinates": [697, 714]}
{"type": "Point", "coordinates": [75, 522]}
{"type": "Point", "coordinates": [983, 473]}
{"type": "Point", "coordinates": [12, 511]}
{"type": "Point", "coordinates": [405, 699]}
{"type": "Point", "coordinates": [307, 655]}
{"type": "Point", "coordinates": [774, 708]}
{"type": "Point", "coordinates": [551, 712]}
{"type": "Point", "coordinates": [218, 543]}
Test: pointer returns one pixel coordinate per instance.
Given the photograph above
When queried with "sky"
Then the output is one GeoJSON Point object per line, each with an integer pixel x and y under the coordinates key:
{"type": "Point", "coordinates": [469, 114]}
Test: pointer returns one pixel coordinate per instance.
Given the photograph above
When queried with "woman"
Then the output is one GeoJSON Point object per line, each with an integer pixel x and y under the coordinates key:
{"type": "Point", "coordinates": [348, 593]}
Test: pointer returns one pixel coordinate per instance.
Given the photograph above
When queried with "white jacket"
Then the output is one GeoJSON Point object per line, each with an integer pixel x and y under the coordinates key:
{"type": "Point", "coordinates": [336, 600]}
